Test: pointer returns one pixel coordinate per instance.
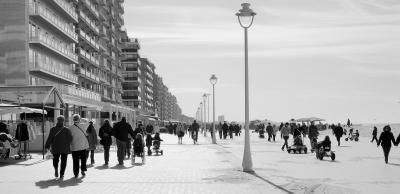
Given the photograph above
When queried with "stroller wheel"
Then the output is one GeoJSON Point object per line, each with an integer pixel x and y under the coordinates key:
{"type": "Point", "coordinates": [346, 139]}
{"type": "Point", "coordinates": [333, 156]}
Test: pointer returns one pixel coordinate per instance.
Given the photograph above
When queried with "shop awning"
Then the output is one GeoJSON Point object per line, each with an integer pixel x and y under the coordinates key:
{"type": "Point", "coordinates": [32, 96]}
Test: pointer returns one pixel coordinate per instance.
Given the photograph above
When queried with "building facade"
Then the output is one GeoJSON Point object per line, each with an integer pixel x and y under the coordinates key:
{"type": "Point", "coordinates": [74, 45]}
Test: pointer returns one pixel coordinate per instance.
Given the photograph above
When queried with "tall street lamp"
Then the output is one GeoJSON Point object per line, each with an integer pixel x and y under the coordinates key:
{"type": "Point", "coordinates": [201, 112]}
{"type": "Point", "coordinates": [246, 17]}
{"type": "Point", "coordinates": [213, 81]}
{"type": "Point", "coordinates": [205, 114]}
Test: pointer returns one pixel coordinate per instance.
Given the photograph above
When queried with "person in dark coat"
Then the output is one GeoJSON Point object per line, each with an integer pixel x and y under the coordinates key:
{"type": "Point", "coordinates": [149, 143]}
{"type": "Point", "coordinates": [270, 130]}
{"type": "Point", "coordinates": [374, 134]}
{"type": "Point", "coordinates": [58, 142]}
{"type": "Point", "coordinates": [231, 129]}
{"type": "Point", "coordinates": [195, 131]}
{"type": "Point", "coordinates": [385, 140]}
{"type": "Point", "coordinates": [3, 128]}
{"type": "Point", "coordinates": [105, 133]}
{"type": "Point", "coordinates": [225, 129]}
{"type": "Point", "coordinates": [338, 130]}
{"type": "Point", "coordinates": [120, 132]}
{"type": "Point", "coordinates": [92, 138]}
{"type": "Point", "coordinates": [219, 127]}
{"type": "Point", "coordinates": [313, 134]}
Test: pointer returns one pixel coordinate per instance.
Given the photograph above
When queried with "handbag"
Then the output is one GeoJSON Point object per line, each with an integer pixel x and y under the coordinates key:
{"type": "Point", "coordinates": [48, 155]}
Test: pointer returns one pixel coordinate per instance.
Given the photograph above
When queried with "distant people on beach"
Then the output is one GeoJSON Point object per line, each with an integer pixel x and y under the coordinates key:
{"type": "Point", "coordinates": [338, 131]}
{"type": "Point", "coordinates": [374, 135]}
{"type": "Point", "coordinates": [385, 140]}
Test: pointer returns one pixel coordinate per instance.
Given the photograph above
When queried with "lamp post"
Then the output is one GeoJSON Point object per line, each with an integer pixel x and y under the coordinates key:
{"type": "Point", "coordinates": [246, 17]}
{"type": "Point", "coordinates": [205, 114]}
{"type": "Point", "coordinates": [213, 81]}
{"type": "Point", "coordinates": [201, 113]}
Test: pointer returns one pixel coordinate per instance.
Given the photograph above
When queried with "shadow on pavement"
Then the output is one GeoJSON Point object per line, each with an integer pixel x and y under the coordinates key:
{"type": "Point", "coordinates": [271, 183]}
{"type": "Point", "coordinates": [393, 164]}
{"type": "Point", "coordinates": [60, 183]}
{"type": "Point", "coordinates": [120, 167]}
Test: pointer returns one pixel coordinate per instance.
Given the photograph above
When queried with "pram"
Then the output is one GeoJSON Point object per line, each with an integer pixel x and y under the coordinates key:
{"type": "Point", "coordinates": [323, 149]}
{"type": "Point", "coordinates": [352, 136]}
{"type": "Point", "coordinates": [138, 149]}
{"type": "Point", "coordinates": [156, 147]}
{"type": "Point", "coordinates": [298, 146]}
{"type": "Point", "coordinates": [261, 133]}
{"type": "Point", "coordinates": [8, 146]}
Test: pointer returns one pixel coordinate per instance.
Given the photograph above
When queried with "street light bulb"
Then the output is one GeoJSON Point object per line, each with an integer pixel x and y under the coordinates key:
{"type": "Point", "coordinates": [246, 15]}
{"type": "Point", "coordinates": [213, 79]}
{"type": "Point", "coordinates": [205, 97]}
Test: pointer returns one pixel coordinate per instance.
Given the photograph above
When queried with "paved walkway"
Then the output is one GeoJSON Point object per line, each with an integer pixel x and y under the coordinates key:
{"type": "Point", "coordinates": [187, 168]}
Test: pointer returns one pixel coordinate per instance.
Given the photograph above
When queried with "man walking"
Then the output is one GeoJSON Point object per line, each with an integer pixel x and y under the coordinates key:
{"type": "Point", "coordinates": [120, 132]}
{"type": "Point", "coordinates": [195, 131]}
{"type": "Point", "coordinates": [285, 131]}
{"type": "Point", "coordinates": [374, 134]}
{"type": "Point", "coordinates": [338, 130]}
{"type": "Point", "coordinates": [79, 145]}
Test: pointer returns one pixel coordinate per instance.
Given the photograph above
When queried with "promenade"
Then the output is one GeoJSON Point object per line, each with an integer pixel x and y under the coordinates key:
{"type": "Point", "coordinates": [187, 168]}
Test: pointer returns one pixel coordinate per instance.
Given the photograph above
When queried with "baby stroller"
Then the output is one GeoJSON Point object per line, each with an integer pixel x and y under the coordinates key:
{"type": "Point", "coordinates": [157, 144]}
{"type": "Point", "coordinates": [261, 133]}
{"type": "Point", "coordinates": [323, 149]}
{"type": "Point", "coordinates": [138, 149]}
{"type": "Point", "coordinates": [8, 146]}
{"type": "Point", "coordinates": [298, 146]}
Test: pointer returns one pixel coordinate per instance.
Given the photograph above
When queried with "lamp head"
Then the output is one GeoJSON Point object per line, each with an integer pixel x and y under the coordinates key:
{"type": "Point", "coordinates": [246, 15]}
{"type": "Point", "coordinates": [204, 97]}
{"type": "Point", "coordinates": [213, 79]}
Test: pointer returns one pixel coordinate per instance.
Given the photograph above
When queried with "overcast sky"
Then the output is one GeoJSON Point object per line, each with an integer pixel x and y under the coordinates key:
{"type": "Point", "coordinates": [327, 58]}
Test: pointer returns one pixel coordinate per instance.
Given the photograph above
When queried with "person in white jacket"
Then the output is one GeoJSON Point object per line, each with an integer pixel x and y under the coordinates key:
{"type": "Point", "coordinates": [79, 145]}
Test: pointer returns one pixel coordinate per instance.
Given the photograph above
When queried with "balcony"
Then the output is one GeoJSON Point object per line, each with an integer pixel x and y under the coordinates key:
{"type": "Point", "coordinates": [89, 23]}
{"type": "Point", "coordinates": [89, 40]}
{"type": "Point", "coordinates": [89, 58]}
{"type": "Point", "coordinates": [92, 8]}
{"type": "Point", "coordinates": [42, 41]}
{"type": "Point", "coordinates": [80, 93]}
{"type": "Point", "coordinates": [67, 8]}
{"type": "Point", "coordinates": [40, 14]}
{"type": "Point", "coordinates": [149, 83]}
{"type": "Point", "coordinates": [149, 76]}
{"type": "Point", "coordinates": [88, 75]}
{"type": "Point", "coordinates": [119, 20]}
{"type": "Point", "coordinates": [49, 70]}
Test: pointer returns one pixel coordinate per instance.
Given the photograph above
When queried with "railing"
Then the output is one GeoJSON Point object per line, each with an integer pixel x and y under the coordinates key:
{"type": "Point", "coordinates": [80, 92]}
{"type": "Point", "coordinates": [53, 45]}
{"type": "Point", "coordinates": [60, 25]}
{"type": "Point", "coordinates": [42, 65]}
{"type": "Point", "coordinates": [67, 8]}
{"type": "Point", "coordinates": [89, 74]}
{"type": "Point", "coordinates": [89, 22]}
{"type": "Point", "coordinates": [91, 7]}
{"type": "Point", "coordinates": [89, 39]}
{"type": "Point", "coordinates": [89, 57]}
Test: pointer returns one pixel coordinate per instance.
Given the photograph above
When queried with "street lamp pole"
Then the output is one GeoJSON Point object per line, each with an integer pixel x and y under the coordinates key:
{"type": "Point", "coordinates": [205, 114]}
{"type": "Point", "coordinates": [246, 17]}
{"type": "Point", "coordinates": [213, 81]}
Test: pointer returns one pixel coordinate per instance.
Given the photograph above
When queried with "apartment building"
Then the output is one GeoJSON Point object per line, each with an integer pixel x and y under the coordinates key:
{"type": "Point", "coordinates": [147, 85]}
{"type": "Point", "coordinates": [74, 45]}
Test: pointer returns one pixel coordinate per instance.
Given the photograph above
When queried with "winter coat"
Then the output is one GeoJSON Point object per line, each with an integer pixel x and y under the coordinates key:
{"type": "Point", "coordinates": [92, 138]}
{"type": "Point", "coordinates": [59, 140]}
{"type": "Point", "coordinates": [79, 137]}
{"type": "Point", "coordinates": [338, 131]}
{"type": "Point", "coordinates": [386, 138]}
{"type": "Point", "coordinates": [285, 131]}
{"type": "Point", "coordinates": [225, 127]}
{"type": "Point", "coordinates": [105, 140]}
{"type": "Point", "coordinates": [195, 127]}
{"type": "Point", "coordinates": [149, 140]}
{"type": "Point", "coordinates": [375, 132]}
{"type": "Point", "coordinates": [313, 131]}
{"type": "Point", "coordinates": [121, 131]}
{"type": "Point", "coordinates": [270, 130]}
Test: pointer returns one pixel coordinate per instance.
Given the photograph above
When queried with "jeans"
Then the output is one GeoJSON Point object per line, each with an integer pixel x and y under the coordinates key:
{"type": "Point", "coordinates": [338, 140]}
{"type": "Point", "coordinates": [106, 154]}
{"type": "Point", "coordinates": [91, 154]}
{"type": "Point", "coordinates": [56, 159]}
{"type": "Point", "coordinates": [79, 156]}
{"type": "Point", "coordinates": [286, 142]}
{"type": "Point", "coordinates": [121, 150]}
{"type": "Point", "coordinates": [220, 134]}
{"type": "Point", "coordinates": [374, 138]}
{"type": "Point", "coordinates": [386, 151]}
{"type": "Point", "coordinates": [128, 148]}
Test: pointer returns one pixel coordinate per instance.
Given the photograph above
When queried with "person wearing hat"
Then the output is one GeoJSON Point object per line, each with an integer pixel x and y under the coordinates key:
{"type": "Point", "coordinates": [79, 145]}
{"type": "Point", "coordinates": [92, 138]}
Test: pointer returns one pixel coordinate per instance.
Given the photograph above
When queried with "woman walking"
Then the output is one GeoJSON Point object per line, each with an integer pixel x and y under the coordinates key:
{"type": "Point", "coordinates": [92, 138]}
{"type": "Point", "coordinates": [385, 140]}
{"type": "Point", "coordinates": [285, 131]}
{"type": "Point", "coordinates": [105, 135]}
{"type": "Point", "coordinates": [58, 142]}
{"type": "Point", "coordinates": [180, 132]}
